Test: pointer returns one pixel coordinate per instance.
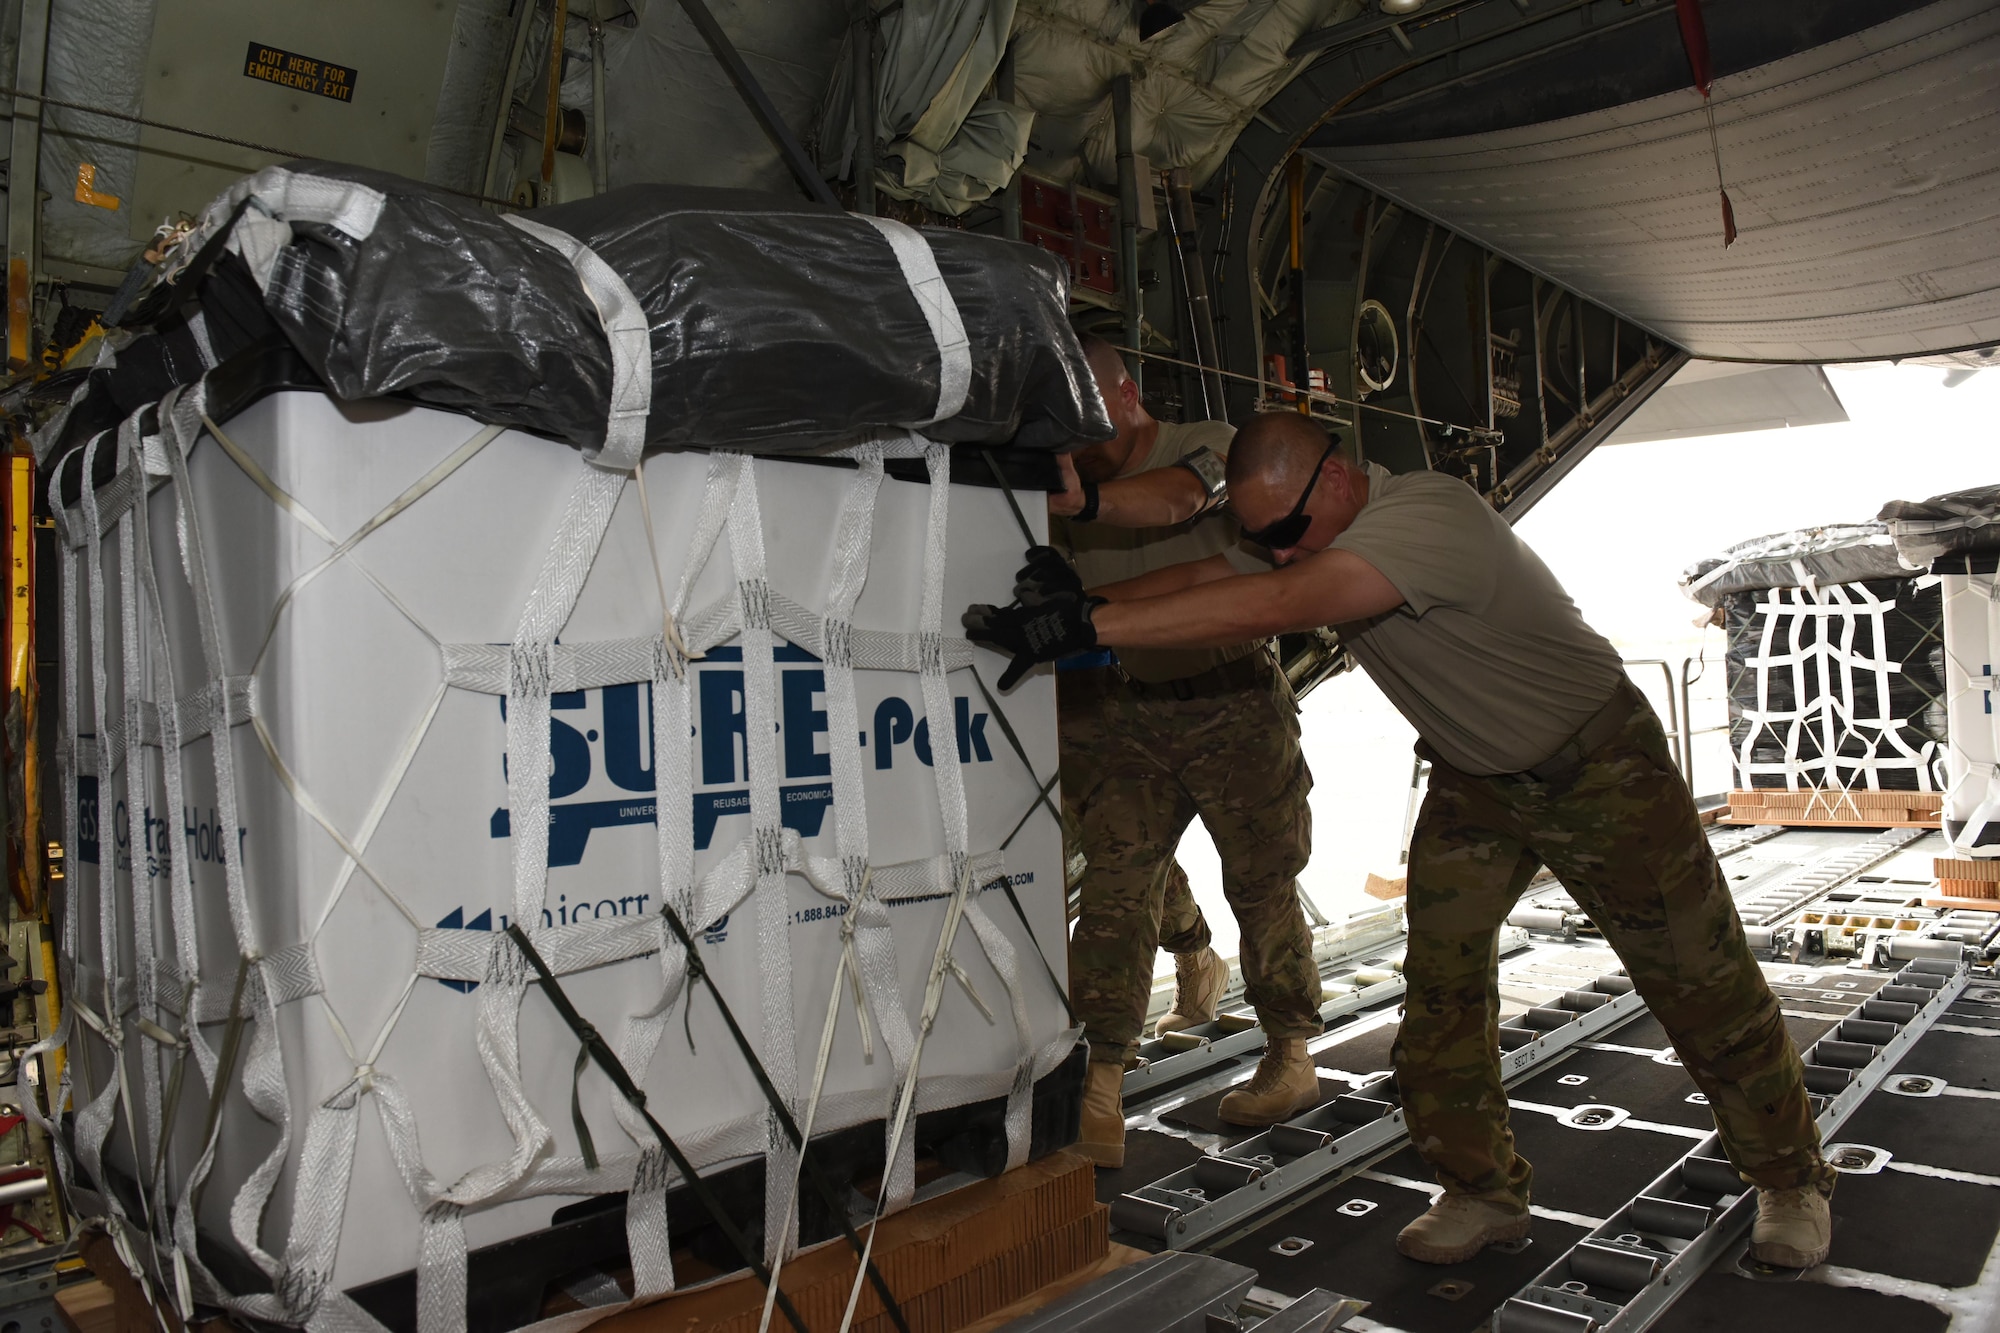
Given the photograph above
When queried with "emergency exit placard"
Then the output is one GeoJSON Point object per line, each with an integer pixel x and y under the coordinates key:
{"type": "Point", "coordinates": [292, 70]}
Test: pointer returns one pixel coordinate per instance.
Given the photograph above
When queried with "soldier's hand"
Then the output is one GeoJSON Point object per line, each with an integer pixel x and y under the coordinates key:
{"type": "Point", "coordinates": [1047, 574]}
{"type": "Point", "coordinates": [1051, 628]}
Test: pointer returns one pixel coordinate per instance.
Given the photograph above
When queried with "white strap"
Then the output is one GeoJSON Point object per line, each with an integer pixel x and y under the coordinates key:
{"type": "Point", "coordinates": [647, 1235]}
{"type": "Point", "coordinates": [631, 340]}
{"type": "Point", "coordinates": [277, 198]}
{"type": "Point", "coordinates": [553, 598]}
{"type": "Point", "coordinates": [135, 611]}
{"type": "Point", "coordinates": [920, 270]}
{"type": "Point", "coordinates": [767, 840]}
{"type": "Point", "coordinates": [487, 667]}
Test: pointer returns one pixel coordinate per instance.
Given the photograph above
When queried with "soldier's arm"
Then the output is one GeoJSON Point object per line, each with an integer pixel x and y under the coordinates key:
{"type": "Point", "coordinates": [1156, 499]}
{"type": "Point", "coordinates": [1333, 587]}
{"type": "Point", "coordinates": [1172, 579]}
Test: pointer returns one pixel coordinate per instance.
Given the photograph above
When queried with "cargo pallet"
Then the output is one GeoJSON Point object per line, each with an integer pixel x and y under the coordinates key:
{"type": "Point", "coordinates": [1966, 884]}
{"type": "Point", "coordinates": [1835, 808]}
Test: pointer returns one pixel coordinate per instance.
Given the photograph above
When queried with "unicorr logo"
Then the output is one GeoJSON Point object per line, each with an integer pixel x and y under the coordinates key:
{"type": "Point", "coordinates": [601, 745]}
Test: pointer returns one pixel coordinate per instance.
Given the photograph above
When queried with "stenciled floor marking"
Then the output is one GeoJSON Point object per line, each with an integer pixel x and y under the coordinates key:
{"type": "Point", "coordinates": [1630, 1122]}
{"type": "Point", "coordinates": [1434, 1191]}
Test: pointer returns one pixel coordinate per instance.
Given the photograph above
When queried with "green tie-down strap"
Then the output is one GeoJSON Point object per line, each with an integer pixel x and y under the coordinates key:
{"type": "Point", "coordinates": [583, 1142]}
{"type": "Point", "coordinates": [699, 973]}
{"type": "Point", "coordinates": [595, 1047]}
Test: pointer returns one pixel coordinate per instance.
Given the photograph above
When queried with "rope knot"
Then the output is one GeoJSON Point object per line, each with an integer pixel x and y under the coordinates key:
{"type": "Point", "coordinates": [670, 661]}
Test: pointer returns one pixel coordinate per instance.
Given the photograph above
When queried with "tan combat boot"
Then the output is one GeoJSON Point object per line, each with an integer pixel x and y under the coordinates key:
{"type": "Point", "coordinates": [1459, 1226]}
{"type": "Point", "coordinates": [1199, 980]}
{"type": "Point", "coordinates": [1101, 1134]}
{"type": "Point", "coordinates": [1284, 1085]}
{"type": "Point", "coordinates": [1794, 1228]}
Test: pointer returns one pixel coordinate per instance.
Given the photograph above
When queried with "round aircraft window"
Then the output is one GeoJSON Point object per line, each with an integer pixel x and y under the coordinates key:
{"type": "Point", "coordinates": [1375, 345]}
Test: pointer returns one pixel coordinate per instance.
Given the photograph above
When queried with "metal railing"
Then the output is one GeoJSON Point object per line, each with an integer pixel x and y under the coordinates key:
{"type": "Point", "coordinates": [1680, 709]}
{"type": "Point", "coordinates": [1680, 732]}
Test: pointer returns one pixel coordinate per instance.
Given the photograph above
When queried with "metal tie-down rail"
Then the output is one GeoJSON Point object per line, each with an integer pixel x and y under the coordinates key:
{"type": "Point", "coordinates": [1758, 907]}
{"type": "Point", "coordinates": [1763, 906]}
{"type": "Point", "coordinates": [1745, 836]}
{"type": "Point", "coordinates": [1212, 1043]}
{"type": "Point", "coordinates": [1172, 1060]}
{"type": "Point", "coordinates": [1623, 1275]}
{"type": "Point", "coordinates": [1530, 914]}
{"type": "Point", "coordinates": [1344, 1135]}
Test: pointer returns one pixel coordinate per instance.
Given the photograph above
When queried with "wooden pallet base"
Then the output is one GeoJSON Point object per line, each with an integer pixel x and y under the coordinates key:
{"type": "Point", "coordinates": [951, 1261]}
{"type": "Point", "coordinates": [1005, 1245]}
{"type": "Point", "coordinates": [1836, 809]}
{"type": "Point", "coordinates": [1837, 823]}
{"type": "Point", "coordinates": [1948, 904]}
{"type": "Point", "coordinates": [1119, 1257]}
{"type": "Point", "coordinates": [1968, 882]}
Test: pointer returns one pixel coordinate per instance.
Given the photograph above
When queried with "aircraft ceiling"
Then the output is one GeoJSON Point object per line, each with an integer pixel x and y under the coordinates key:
{"type": "Point", "coordinates": [1864, 175]}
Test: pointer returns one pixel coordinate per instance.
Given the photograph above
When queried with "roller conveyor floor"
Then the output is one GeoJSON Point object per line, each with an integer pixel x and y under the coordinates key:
{"type": "Point", "coordinates": [1606, 1119]}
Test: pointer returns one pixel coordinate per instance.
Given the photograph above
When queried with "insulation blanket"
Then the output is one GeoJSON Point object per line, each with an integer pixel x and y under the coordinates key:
{"type": "Point", "coordinates": [1809, 557]}
{"type": "Point", "coordinates": [1837, 685]}
{"type": "Point", "coordinates": [1955, 523]}
{"type": "Point", "coordinates": [322, 756]}
{"type": "Point", "coordinates": [778, 325]}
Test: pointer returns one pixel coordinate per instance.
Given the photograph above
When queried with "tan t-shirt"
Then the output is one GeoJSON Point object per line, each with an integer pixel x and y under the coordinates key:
{"type": "Point", "coordinates": [1106, 554]}
{"type": "Point", "coordinates": [1489, 660]}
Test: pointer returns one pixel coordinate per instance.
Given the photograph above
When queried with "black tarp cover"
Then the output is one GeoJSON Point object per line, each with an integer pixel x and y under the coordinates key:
{"type": "Point", "coordinates": [776, 325]}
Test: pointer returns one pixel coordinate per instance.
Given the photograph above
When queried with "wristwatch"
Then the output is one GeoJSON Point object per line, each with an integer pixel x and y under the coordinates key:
{"type": "Point", "coordinates": [1211, 472]}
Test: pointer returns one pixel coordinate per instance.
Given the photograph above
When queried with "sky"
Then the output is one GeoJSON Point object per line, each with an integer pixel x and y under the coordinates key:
{"type": "Point", "coordinates": [1617, 532]}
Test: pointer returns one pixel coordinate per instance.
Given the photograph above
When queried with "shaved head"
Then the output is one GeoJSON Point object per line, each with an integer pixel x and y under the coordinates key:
{"type": "Point", "coordinates": [1135, 425]}
{"type": "Point", "coordinates": [1284, 463]}
{"type": "Point", "coordinates": [1276, 451]}
{"type": "Point", "coordinates": [1107, 364]}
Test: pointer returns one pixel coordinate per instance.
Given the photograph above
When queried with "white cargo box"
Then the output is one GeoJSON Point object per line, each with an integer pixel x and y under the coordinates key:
{"type": "Point", "coordinates": [1972, 753]}
{"type": "Point", "coordinates": [369, 565]}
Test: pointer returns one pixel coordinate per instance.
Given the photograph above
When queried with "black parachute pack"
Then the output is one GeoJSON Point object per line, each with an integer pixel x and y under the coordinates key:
{"type": "Point", "coordinates": [776, 325]}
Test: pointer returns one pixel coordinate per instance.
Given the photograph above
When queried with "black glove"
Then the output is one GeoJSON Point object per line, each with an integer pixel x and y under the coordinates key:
{"type": "Point", "coordinates": [1055, 625]}
{"type": "Point", "coordinates": [1047, 574]}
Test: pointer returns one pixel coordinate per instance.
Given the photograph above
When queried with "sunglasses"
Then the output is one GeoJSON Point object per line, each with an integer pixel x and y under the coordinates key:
{"type": "Point", "coordinates": [1287, 531]}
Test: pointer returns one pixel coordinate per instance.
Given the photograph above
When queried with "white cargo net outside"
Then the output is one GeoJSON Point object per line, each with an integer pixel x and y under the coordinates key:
{"type": "Point", "coordinates": [1840, 732]}
{"type": "Point", "coordinates": [1972, 796]}
{"type": "Point", "coordinates": [167, 998]}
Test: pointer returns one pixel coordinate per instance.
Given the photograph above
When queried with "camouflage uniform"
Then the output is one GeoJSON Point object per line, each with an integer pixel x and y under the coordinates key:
{"type": "Point", "coordinates": [1138, 763]}
{"type": "Point", "coordinates": [1183, 929]}
{"type": "Point", "coordinates": [1624, 839]}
